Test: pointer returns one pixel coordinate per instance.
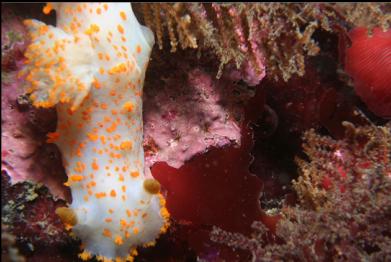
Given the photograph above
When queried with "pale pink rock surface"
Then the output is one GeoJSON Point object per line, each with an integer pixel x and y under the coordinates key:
{"type": "Point", "coordinates": [25, 155]}
{"type": "Point", "coordinates": [188, 111]}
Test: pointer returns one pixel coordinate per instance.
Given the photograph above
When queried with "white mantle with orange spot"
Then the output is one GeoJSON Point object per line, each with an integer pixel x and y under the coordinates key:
{"type": "Point", "coordinates": [92, 68]}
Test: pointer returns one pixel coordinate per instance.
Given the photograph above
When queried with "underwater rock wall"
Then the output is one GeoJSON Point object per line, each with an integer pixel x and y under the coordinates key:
{"type": "Point", "coordinates": [229, 143]}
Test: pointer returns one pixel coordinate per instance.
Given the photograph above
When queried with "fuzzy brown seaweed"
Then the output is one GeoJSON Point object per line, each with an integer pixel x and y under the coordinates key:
{"type": "Point", "coordinates": [284, 33]}
{"type": "Point", "coordinates": [347, 219]}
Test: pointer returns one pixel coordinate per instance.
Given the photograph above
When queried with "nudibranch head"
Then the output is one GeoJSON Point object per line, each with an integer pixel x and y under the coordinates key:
{"type": "Point", "coordinates": [92, 67]}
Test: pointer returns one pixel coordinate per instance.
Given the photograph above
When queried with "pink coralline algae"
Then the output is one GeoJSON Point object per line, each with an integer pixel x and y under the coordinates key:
{"type": "Point", "coordinates": [252, 70]}
{"type": "Point", "coordinates": [368, 62]}
{"type": "Point", "coordinates": [25, 153]}
{"type": "Point", "coordinates": [252, 73]}
{"type": "Point", "coordinates": [188, 111]}
{"type": "Point", "coordinates": [13, 40]}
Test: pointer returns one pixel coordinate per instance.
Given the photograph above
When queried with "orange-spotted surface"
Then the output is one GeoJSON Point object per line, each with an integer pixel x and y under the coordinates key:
{"type": "Point", "coordinates": [92, 67]}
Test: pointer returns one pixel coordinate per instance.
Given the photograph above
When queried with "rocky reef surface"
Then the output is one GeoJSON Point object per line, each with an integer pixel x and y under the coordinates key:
{"type": "Point", "coordinates": [248, 164]}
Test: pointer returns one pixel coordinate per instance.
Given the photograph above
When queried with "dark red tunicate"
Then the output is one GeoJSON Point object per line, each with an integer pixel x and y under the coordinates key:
{"type": "Point", "coordinates": [334, 108]}
{"type": "Point", "coordinates": [296, 102]}
{"type": "Point", "coordinates": [214, 188]}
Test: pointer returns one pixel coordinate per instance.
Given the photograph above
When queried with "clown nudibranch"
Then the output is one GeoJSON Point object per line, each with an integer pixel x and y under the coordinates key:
{"type": "Point", "coordinates": [92, 68]}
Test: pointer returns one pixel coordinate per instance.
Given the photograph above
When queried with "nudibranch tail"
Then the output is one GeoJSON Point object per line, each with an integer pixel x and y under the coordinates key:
{"type": "Point", "coordinates": [91, 66]}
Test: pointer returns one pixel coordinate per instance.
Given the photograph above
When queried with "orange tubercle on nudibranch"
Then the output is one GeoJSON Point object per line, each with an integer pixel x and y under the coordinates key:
{"type": "Point", "coordinates": [86, 66]}
{"type": "Point", "coordinates": [47, 9]}
{"type": "Point", "coordinates": [85, 255]}
{"type": "Point", "coordinates": [152, 186]}
{"type": "Point", "coordinates": [67, 216]}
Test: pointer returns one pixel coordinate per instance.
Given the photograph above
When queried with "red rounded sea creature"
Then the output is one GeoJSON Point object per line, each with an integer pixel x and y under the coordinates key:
{"type": "Point", "coordinates": [368, 62]}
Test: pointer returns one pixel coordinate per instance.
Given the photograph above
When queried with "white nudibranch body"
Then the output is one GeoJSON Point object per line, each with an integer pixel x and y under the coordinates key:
{"type": "Point", "coordinates": [92, 67]}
